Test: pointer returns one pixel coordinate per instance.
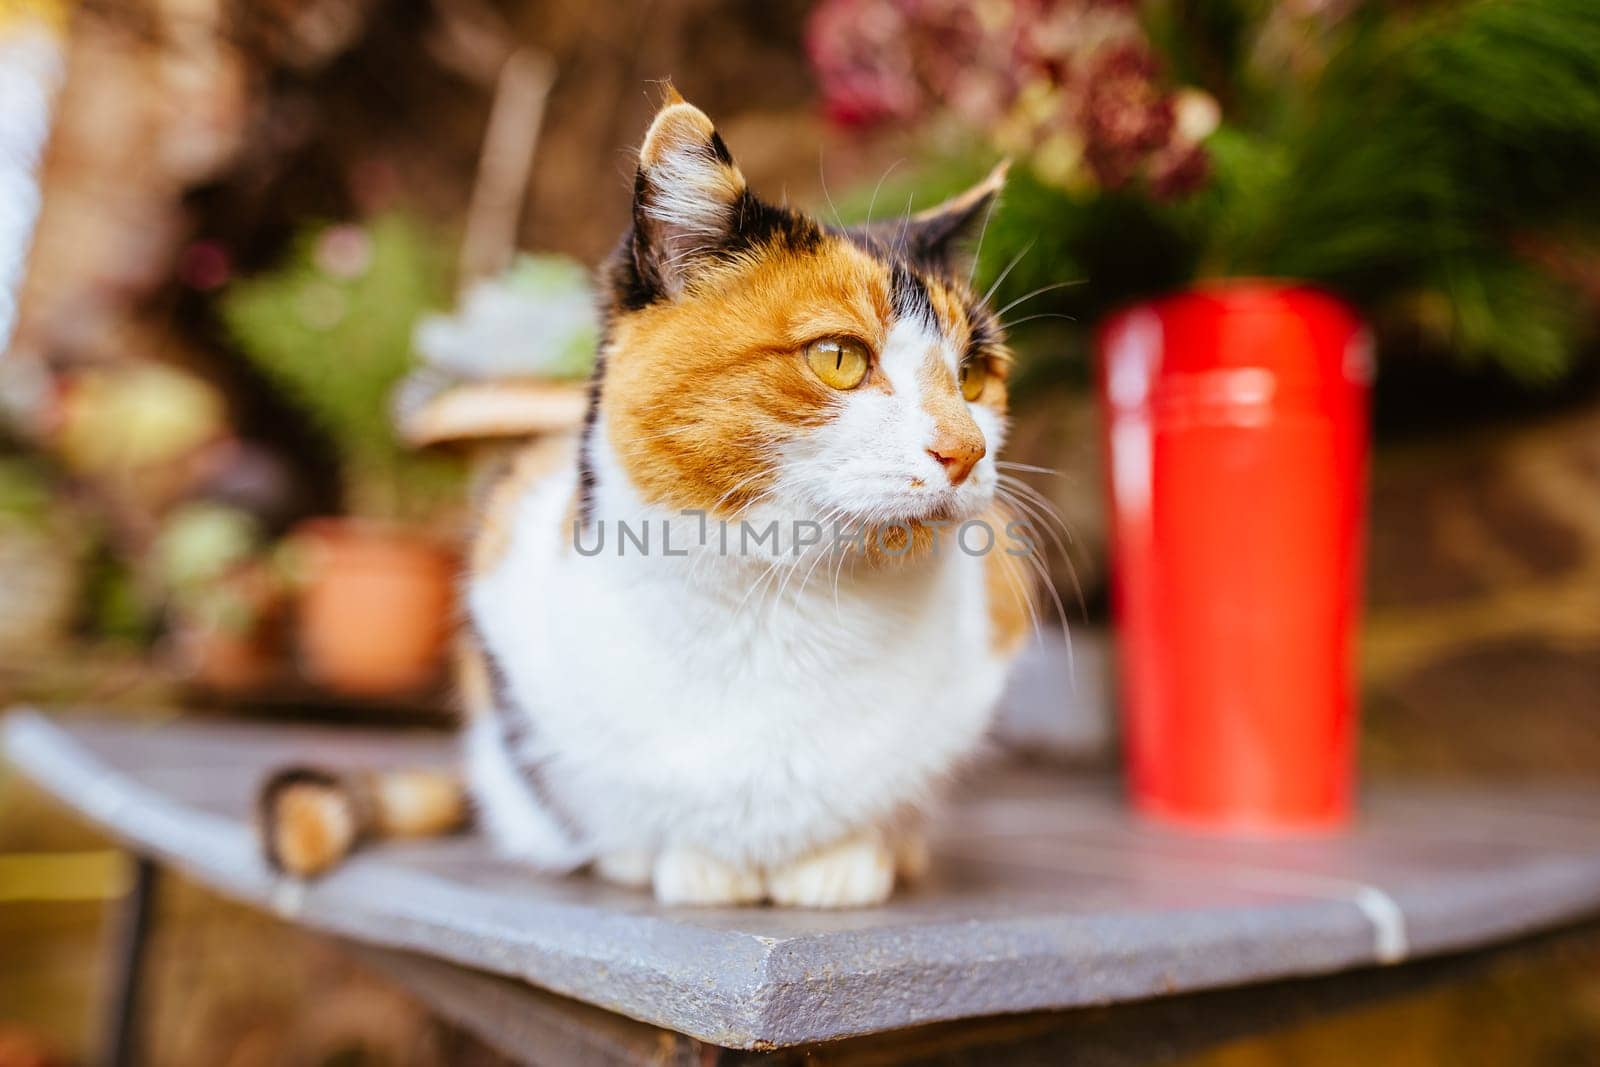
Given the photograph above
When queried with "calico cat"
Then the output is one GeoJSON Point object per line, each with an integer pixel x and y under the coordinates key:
{"type": "Point", "coordinates": [650, 695]}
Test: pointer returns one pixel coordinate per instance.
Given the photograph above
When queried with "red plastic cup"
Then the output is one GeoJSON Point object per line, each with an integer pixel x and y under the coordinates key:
{"type": "Point", "coordinates": [1236, 434]}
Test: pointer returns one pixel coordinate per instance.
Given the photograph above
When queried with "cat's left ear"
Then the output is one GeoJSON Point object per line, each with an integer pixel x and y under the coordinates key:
{"type": "Point", "coordinates": [936, 236]}
{"type": "Point", "coordinates": [687, 195]}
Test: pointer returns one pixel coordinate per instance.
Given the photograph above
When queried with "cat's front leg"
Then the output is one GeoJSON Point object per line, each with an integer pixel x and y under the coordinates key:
{"type": "Point", "coordinates": [854, 872]}
{"type": "Point", "coordinates": [689, 876]}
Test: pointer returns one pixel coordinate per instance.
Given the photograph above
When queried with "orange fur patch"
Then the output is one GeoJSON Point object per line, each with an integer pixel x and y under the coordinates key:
{"type": "Point", "coordinates": [1009, 585]}
{"type": "Point", "coordinates": [955, 432]}
{"type": "Point", "coordinates": [497, 518]}
{"type": "Point", "coordinates": [417, 803]}
{"type": "Point", "coordinates": [313, 829]}
{"type": "Point", "coordinates": [949, 310]}
{"type": "Point", "coordinates": [697, 391]}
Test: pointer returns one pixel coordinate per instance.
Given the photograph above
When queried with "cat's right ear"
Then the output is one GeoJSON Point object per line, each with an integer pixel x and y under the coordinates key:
{"type": "Point", "coordinates": [686, 195]}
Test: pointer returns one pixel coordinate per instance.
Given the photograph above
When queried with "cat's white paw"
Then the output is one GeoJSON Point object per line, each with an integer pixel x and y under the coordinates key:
{"type": "Point", "coordinates": [631, 867]}
{"type": "Point", "coordinates": [689, 876]}
{"type": "Point", "coordinates": [852, 873]}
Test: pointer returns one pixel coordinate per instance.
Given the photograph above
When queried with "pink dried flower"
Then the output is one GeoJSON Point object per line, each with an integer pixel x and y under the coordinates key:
{"type": "Point", "coordinates": [1178, 170]}
{"type": "Point", "coordinates": [1075, 80]}
{"type": "Point", "coordinates": [858, 48]}
{"type": "Point", "coordinates": [1125, 115]}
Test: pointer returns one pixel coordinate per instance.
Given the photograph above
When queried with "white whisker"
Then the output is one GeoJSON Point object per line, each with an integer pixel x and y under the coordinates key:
{"type": "Point", "coordinates": [1037, 292]}
{"type": "Point", "coordinates": [1032, 512]}
{"type": "Point", "coordinates": [885, 177]}
{"type": "Point", "coordinates": [1019, 588]}
{"type": "Point", "coordinates": [1010, 466]}
{"type": "Point", "coordinates": [983, 231]}
{"type": "Point", "coordinates": [1024, 490]}
{"type": "Point", "coordinates": [823, 178]}
{"type": "Point", "coordinates": [1009, 268]}
{"type": "Point", "coordinates": [1009, 326]}
{"type": "Point", "coordinates": [1043, 575]}
{"type": "Point", "coordinates": [905, 223]}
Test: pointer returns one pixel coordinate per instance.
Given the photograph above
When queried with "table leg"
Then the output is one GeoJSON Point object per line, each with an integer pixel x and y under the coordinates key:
{"type": "Point", "coordinates": [130, 933]}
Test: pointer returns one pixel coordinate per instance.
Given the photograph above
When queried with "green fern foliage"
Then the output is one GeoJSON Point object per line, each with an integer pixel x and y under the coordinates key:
{"type": "Point", "coordinates": [1428, 151]}
{"type": "Point", "coordinates": [1415, 158]}
{"type": "Point", "coordinates": [332, 327]}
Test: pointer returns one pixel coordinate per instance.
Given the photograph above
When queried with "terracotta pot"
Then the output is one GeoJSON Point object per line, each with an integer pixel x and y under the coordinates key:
{"type": "Point", "coordinates": [376, 607]}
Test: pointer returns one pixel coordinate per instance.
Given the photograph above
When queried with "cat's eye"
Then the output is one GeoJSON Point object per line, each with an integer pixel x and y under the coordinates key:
{"type": "Point", "coordinates": [839, 361]}
{"type": "Point", "coordinates": [974, 376]}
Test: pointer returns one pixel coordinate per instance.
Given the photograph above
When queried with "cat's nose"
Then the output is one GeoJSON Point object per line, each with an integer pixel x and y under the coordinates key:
{"type": "Point", "coordinates": [958, 453]}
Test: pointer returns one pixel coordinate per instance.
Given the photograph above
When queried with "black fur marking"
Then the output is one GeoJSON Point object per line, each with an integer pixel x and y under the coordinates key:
{"type": "Point", "coordinates": [623, 289]}
{"type": "Point", "coordinates": [591, 419]}
{"type": "Point", "coordinates": [887, 242]}
{"type": "Point", "coordinates": [869, 238]}
{"type": "Point", "coordinates": [636, 276]}
{"type": "Point", "coordinates": [909, 293]}
{"type": "Point", "coordinates": [983, 331]}
{"type": "Point", "coordinates": [638, 283]}
{"type": "Point", "coordinates": [517, 728]}
{"type": "Point", "coordinates": [932, 241]}
{"type": "Point", "coordinates": [514, 728]}
{"type": "Point", "coordinates": [909, 278]}
{"type": "Point", "coordinates": [755, 224]}
{"type": "Point", "coordinates": [720, 150]}
{"type": "Point", "coordinates": [928, 244]}
{"type": "Point", "coordinates": [591, 416]}
{"type": "Point", "coordinates": [532, 775]}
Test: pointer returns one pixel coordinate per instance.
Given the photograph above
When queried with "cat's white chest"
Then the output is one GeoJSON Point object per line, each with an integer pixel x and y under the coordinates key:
{"type": "Point", "coordinates": [675, 700]}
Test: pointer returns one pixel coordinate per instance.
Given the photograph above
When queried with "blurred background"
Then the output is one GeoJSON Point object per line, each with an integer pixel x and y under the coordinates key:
{"type": "Point", "coordinates": [260, 260]}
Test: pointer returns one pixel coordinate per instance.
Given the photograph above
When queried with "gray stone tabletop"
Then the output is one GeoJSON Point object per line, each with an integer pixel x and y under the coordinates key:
{"type": "Point", "coordinates": [1045, 894]}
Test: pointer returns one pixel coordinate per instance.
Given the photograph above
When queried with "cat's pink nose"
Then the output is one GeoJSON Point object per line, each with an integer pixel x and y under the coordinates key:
{"type": "Point", "coordinates": [958, 454]}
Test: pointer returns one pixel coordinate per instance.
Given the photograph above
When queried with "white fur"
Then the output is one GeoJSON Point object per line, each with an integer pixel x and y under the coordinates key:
{"type": "Point", "coordinates": [742, 717]}
{"type": "Point", "coordinates": [683, 874]}
{"type": "Point", "coordinates": [691, 191]}
{"type": "Point", "coordinates": [858, 869]}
